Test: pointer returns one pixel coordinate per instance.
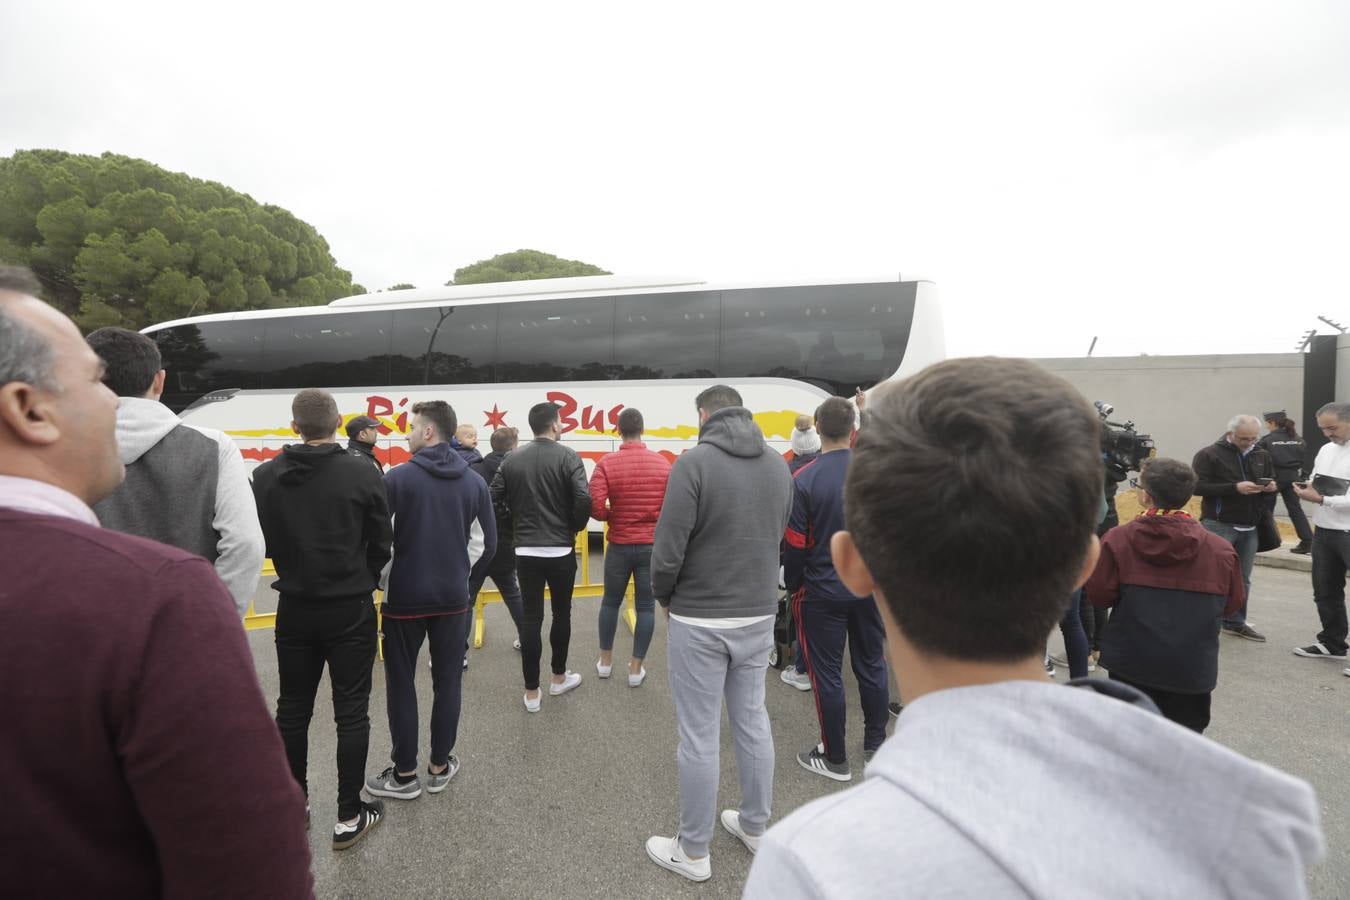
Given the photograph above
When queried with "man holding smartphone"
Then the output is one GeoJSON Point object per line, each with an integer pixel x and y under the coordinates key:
{"type": "Point", "coordinates": [1233, 475]}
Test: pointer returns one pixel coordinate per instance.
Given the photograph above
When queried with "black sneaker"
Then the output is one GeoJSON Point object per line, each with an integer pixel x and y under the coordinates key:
{"type": "Point", "coordinates": [868, 754]}
{"type": "Point", "coordinates": [895, 706]}
{"type": "Point", "coordinates": [370, 815]}
{"type": "Point", "coordinates": [1303, 547]}
{"type": "Point", "coordinates": [814, 760]}
{"type": "Point", "coordinates": [1245, 630]}
{"type": "Point", "coordinates": [1317, 651]}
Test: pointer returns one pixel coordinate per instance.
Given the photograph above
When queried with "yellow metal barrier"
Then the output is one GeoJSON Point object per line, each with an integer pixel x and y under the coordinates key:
{"type": "Point", "coordinates": [255, 621]}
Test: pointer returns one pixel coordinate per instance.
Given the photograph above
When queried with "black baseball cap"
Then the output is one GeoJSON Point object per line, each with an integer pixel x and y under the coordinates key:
{"type": "Point", "coordinates": [359, 424]}
{"type": "Point", "coordinates": [1276, 416]}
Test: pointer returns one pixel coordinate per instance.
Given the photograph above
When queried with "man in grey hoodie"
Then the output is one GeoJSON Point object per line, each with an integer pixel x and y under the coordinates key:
{"type": "Point", "coordinates": [186, 486]}
{"type": "Point", "coordinates": [970, 507]}
{"type": "Point", "coordinates": [715, 573]}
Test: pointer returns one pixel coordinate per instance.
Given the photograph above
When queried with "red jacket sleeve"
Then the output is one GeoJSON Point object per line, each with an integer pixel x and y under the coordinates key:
{"type": "Point", "coordinates": [202, 756]}
{"type": "Point", "coordinates": [1103, 587]}
{"type": "Point", "coordinates": [599, 492]}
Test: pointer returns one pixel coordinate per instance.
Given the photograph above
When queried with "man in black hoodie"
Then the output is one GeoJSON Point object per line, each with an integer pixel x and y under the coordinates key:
{"type": "Point", "coordinates": [1233, 476]}
{"type": "Point", "coordinates": [437, 503]}
{"type": "Point", "coordinates": [502, 568]}
{"type": "Point", "coordinates": [326, 521]}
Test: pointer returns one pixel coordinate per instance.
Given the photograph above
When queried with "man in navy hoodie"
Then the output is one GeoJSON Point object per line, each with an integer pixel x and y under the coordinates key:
{"type": "Point", "coordinates": [828, 614]}
{"type": "Point", "coordinates": [436, 502]}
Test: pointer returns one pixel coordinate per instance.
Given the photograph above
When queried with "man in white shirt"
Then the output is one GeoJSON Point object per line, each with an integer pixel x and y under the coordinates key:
{"type": "Point", "coordinates": [1331, 539]}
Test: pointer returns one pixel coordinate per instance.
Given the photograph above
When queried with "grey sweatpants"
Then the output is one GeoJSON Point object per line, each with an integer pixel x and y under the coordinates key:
{"type": "Point", "coordinates": [707, 665]}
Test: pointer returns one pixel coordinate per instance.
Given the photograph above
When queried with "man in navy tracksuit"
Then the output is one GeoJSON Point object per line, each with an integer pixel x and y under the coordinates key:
{"type": "Point", "coordinates": [827, 613]}
{"type": "Point", "coordinates": [436, 502]}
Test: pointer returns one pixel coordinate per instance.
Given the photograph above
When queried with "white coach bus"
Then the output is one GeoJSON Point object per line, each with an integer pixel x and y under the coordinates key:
{"type": "Point", "coordinates": [593, 345]}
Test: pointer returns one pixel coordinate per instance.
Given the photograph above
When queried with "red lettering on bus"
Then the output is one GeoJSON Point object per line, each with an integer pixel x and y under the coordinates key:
{"type": "Point", "coordinates": [565, 414]}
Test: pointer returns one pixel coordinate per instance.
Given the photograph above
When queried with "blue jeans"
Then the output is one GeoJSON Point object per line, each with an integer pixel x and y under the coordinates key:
{"type": "Point", "coordinates": [1244, 542]}
{"type": "Point", "coordinates": [623, 561]}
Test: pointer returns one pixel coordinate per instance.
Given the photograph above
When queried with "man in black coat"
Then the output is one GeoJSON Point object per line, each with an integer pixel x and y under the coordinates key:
{"type": "Point", "coordinates": [362, 433]}
{"type": "Point", "coordinates": [1233, 476]}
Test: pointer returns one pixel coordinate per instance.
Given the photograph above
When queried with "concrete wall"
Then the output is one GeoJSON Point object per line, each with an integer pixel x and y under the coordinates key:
{"type": "Point", "coordinates": [1343, 367]}
{"type": "Point", "coordinates": [1185, 401]}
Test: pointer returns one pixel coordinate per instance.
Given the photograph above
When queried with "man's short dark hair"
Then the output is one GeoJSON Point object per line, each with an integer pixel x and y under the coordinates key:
{"type": "Point", "coordinates": [1170, 482]}
{"type": "Point", "coordinates": [315, 414]}
{"type": "Point", "coordinates": [440, 414]}
{"type": "Point", "coordinates": [542, 415]}
{"type": "Point", "coordinates": [972, 497]}
{"type": "Point", "coordinates": [630, 422]}
{"type": "Point", "coordinates": [19, 280]}
{"type": "Point", "coordinates": [719, 396]}
{"type": "Point", "coordinates": [503, 439]}
{"type": "Point", "coordinates": [834, 419]}
{"type": "Point", "coordinates": [132, 360]}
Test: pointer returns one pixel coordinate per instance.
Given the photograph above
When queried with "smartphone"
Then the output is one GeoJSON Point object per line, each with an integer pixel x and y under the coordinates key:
{"type": "Point", "coordinates": [1264, 481]}
{"type": "Point", "coordinates": [1301, 484]}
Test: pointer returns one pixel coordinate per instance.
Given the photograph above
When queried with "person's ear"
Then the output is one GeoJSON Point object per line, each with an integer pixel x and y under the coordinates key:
{"type": "Point", "coordinates": [1089, 562]}
{"type": "Point", "coordinates": [157, 386]}
{"type": "Point", "coordinates": [295, 427]}
{"type": "Point", "coordinates": [27, 412]}
{"type": "Point", "coordinates": [848, 563]}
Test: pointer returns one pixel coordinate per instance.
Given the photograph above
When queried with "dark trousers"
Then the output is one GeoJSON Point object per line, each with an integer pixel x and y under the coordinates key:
{"type": "Point", "coordinates": [1331, 559]}
{"type": "Point", "coordinates": [1094, 619]}
{"type": "Point", "coordinates": [1075, 638]}
{"type": "Point", "coordinates": [1189, 710]}
{"type": "Point", "coordinates": [1294, 507]}
{"type": "Point", "coordinates": [445, 637]}
{"type": "Point", "coordinates": [341, 633]}
{"type": "Point", "coordinates": [823, 627]}
{"type": "Point", "coordinates": [558, 573]}
{"type": "Point", "coordinates": [504, 577]}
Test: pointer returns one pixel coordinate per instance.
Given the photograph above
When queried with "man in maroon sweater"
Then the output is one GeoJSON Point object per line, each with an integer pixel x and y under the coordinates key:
{"type": "Point", "coordinates": [141, 761]}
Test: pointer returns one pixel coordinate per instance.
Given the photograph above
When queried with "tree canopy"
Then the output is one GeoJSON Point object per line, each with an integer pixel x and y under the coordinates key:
{"type": "Point", "coordinates": [521, 265]}
{"type": "Point", "coordinates": [121, 241]}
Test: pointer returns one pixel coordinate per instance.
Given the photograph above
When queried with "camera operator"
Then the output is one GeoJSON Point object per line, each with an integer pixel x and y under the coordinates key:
{"type": "Point", "coordinates": [1233, 476]}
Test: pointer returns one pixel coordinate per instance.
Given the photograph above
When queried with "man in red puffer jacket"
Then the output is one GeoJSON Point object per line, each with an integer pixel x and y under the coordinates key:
{"type": "Point", "coordinates": [633, 481]}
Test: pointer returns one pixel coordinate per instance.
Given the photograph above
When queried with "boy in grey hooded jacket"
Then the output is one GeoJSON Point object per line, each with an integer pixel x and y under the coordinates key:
{"type": "Point", "coordinates": [185, 486]}
{"type": "Point", "coordinates": [970, 506]}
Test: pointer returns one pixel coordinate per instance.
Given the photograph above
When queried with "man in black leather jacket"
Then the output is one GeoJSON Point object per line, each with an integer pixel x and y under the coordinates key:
{"type": "Point", "coordinates": [542, 488]}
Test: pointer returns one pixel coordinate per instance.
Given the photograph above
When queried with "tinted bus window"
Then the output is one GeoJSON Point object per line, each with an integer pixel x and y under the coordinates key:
{"type": "Point", "coordinates": [667, 336]}
{"type": "Point", "coordinates": [556, 340]}
{"type": "Point", "coordinates": [837, 336]}
{"type": "Point", "coordinates": [345, 350]}
{"type": "Point", "coordinates": [444, 345]}
{"type": "Point", "coordinates": [209, 356]}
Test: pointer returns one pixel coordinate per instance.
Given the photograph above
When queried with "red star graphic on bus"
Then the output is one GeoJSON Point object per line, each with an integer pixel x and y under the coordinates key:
{"type": "Point", "coordinates": [496, 418]}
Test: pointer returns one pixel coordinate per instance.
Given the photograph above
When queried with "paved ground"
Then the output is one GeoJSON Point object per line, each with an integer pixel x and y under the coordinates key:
{"type": "Point", "coordinates": [559, 803]}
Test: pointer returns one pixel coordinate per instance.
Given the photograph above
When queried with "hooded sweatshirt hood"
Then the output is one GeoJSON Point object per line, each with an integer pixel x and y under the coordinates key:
{"type": "Point", "coordinates": [298, 462]}
{"type": "Point", "coordinates": [970, 772]}
{"type": "Point", "coordinates": [470, 455]}
{"type": "Point", "coordinates": [441, 460]}
{"type": "Point", "coordinates": [1166, 540]}
{"type": "Point", "coordinates": [141, 424]}
{"type": "Point", "coordinates": [733, 430]}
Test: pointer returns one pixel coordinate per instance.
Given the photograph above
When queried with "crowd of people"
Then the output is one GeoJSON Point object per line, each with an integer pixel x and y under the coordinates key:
{"type": "Point", "coordinates": [939, 529]}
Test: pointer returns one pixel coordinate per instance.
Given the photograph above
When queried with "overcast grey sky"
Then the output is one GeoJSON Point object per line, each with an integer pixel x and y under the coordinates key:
{"type": "Point", "coordinates": [1174, 177]}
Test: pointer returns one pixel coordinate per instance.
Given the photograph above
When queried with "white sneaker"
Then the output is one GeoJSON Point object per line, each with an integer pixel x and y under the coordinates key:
{"type": "Point", "coordinates": [602, 670]}
{"type": "Point", "coordinates": [731, 821]}
{"type": "Point", "coordinates": [1346, 673]}
{"type": "Point", "coordinates": [636, 680]}
{"type": "Point", "coordinates": [800, 680]}
{"type": "Point", "coordinates": [532, 705]}
{"type": "Point", "coordinates": [570, 680]}
{"type": "Point", "coordinates": [516, 643]}
{"type": "Point", "coordinates": [666, 853]}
